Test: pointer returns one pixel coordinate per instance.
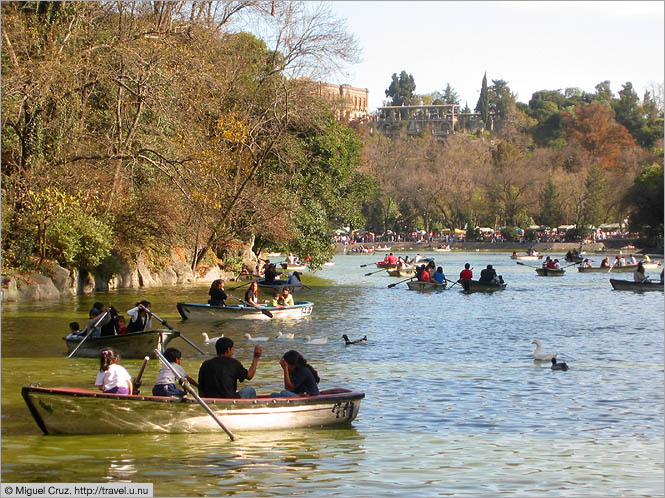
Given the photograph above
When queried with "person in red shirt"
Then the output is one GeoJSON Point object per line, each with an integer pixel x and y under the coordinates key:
{"type": "Point", "coordinates": [466, 273]}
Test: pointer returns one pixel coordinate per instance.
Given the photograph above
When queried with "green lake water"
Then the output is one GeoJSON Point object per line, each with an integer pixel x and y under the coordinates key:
{"type": "Point", "coordinates": [455, 404]}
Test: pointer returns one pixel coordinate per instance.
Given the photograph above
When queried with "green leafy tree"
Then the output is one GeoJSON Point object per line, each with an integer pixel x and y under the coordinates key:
{"type": "Point", "coordinates": [501, 100]}
{"type": "Point", "coordinates": [550, 213]}
{"type": "Point", "coordinates": [595, 196]}
{"type": "Point", "coordinates": [401, 89]}
{"type": "Point", "coordinates": [450, 96]}
{"type": "Point", "coordinates": [629, 110]}
{"type": "Point", "coordinates": [645, 201]}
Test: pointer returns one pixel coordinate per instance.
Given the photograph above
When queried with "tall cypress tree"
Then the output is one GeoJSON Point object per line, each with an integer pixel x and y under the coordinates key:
{"type": "Point", "coordinates": [483, 105]}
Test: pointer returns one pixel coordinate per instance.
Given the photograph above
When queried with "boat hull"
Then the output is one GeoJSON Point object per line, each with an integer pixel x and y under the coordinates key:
{"type": "Point", "coordinates": [425, 286]}
{"type": "Point", "coordinates": [82, 411]}
{"type": "Point", "coordinates": [550, 272]}
{"type": "Point", "coordinates": [636, 286]}
{"type": "Point", "coordinates": [279, 285]}
{"type": "Point", "coordinates": [475, 286]}
{"type": "Point", "coordinates": [617, 269]}
{"type": "Point", "coordinates": [131, 345]}
{"type": "Point", "coordinates": [526, 258]}
{"type": "Point", "coordinates": [401, 272]}
{"type": "Point", "coordinates": [199, 311]}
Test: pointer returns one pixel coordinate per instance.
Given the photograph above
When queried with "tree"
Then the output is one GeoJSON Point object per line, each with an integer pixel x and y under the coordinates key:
{"type": "Point", "coordinates": [629, 111]}
{"type": "Point", "coordinates": [501, 99]}
{"type": "Point", "coordinates": [645, 201]}
{"type": "Point", "coordinates": [450, 96]}
{"type": "Point", "coordinates": [550, 205]}
{"type": "Point", "coordinates": [401, 89]}
{"type": "Point", "coordinates": [594, 211]}
{"type": "Point", "coordinates": [483, 105]}
{"type": "Point", "coordinates": [594, 128]}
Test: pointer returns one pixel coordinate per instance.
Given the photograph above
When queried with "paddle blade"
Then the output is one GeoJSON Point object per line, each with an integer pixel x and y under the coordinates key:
{"type": "Point", "coordinates": [267, 313]}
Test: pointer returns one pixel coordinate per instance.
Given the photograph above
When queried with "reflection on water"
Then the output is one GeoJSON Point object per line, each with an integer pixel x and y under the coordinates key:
{"type": "Point", "coordinates": [455, 403]}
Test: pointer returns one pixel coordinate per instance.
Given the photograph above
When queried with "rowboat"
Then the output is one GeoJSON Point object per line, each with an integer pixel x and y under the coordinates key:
{"type": "Point", "coordinates": [273, 254]}
{"type": "Point", "coordinates": [293, 267]}
{"type": "Point", "coordinates": [527, 257]}
{"type": "Point", "coordinates": [401, 272]}
{"type": "Point", "coordinates": [651, 285]}
{"type": "Point", "coordinates": [130, 345]}
{"type": "Point", "coordinates": [198, 311]}
{"type": "Point", "coordinates": [617, 269]}
{"type": "Point", "coordinates": [425, 286]}
{"type": "Point", "coordinates": [61, 410]}
{"type": "Point", "coordinates": [574, 259]}
{"type": "Point", "coordinates": [385, 264]}
{"type": "Point", "coordinates": [329, 263]}
{"type": "Point", "coordinates": [278, 285]}
{"type": "Point", "coordinates": [382, 249]}
{"type": "Point", "coordinates": [442, 249]}
{"type": "Point", "coordinates": [476, 286]}
{"type": "Point", "coordinates": [550, 272]}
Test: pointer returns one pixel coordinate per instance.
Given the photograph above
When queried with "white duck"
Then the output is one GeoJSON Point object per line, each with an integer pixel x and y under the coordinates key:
{"type": "Point", "coordinates": [285, 336]}
{"type": "Point", "coordinates": [256, 339]}
{"type": "Point", "coordinates": [208, 340]}
{"type": "Point", "coordinates": [539, 355]}
{"type": "Point", "coordinates": [309, 340]}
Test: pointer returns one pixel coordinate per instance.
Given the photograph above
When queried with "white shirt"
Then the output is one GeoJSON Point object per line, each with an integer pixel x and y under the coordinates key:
{"type": "Point", "coordinates": [165, 376]}
{"type": "Point", "coordinates": [134, 315]}
{"type": "Point", "coordinates": [115, 376]}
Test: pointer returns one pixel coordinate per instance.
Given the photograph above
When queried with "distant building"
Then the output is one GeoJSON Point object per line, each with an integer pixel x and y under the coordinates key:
{"type": "Point", "coordinates": [349, 103]}
{"type": "Point", "coordinates": [439, 120]}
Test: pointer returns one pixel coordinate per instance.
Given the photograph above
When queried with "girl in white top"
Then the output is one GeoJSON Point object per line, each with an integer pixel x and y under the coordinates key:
{"type": "Point", "coordinates": [112, 378]}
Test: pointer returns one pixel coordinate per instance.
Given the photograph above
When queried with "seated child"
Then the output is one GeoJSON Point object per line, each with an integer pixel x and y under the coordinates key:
{"type": "Point", "coordinates": [165, 385]}
{"type": "Point", "coordinates": [121, 325]}
{"type": "Point", "coordinates": [112, 378]}
{"type": "Point", "coordinates": [74, 331]}
{"type": "Point", "coordinates": [275, 301]}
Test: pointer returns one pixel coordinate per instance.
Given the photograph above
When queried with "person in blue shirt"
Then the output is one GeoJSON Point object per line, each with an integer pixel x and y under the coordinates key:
{"type": "Point", "coordinates": [439, 277]}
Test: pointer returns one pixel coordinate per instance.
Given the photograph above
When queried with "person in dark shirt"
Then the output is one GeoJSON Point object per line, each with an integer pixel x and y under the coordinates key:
{"type": "Point", "coordinates": [300, 378]}
{"type": "Point", "coordinates": [217, 294]}
{"type": "Point", "coordinates": [219, 376]}
{"type": "Point", "coordinates": [487, 275]}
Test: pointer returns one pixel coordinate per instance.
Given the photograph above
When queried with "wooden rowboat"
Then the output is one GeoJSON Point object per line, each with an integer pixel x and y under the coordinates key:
{"type": "Point", "coordinates": [278, 285]}
{"type": "Point", "coordinates": [550, 272]}
{"type": "Point", "coordinates": [59, 410]}
{"type": "Point", "coordinates": [425, 286]}
{"type": "Point", "coordinates": [651, 285]}
{"type": "Point", "coordinates": [470, 286]}
{"type": "Point", "coordinates": [382, 249]}
{"type": "Point", "coordinates": [401, 272]}
{"type": "Point", "coordinates": [618, 269]}
{"type": "Point", "coordinates": [130, 345]}
{"type": "Point", "coordinates": [385, 264]}
{"type": "Point", "coordinates": [442, 249]}
{"type": "Point", "coordinates": [198, 311]}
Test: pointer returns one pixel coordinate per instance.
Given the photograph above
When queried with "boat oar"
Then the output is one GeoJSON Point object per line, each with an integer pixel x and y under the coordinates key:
{"type": "Point", "coordinates": [188, 388]}
{"type": "Point", "coordinates": [571, 264]}
{"type": "Point", "coordinates": [264, 311]}
{"type": "Point", "coordinates": [454, 282]}
{"type": "Point", "coordinates": [524, 264]}
{"type": "Point", "coordinates": [174, 330]}
{"type": "Point", "coordinates": [89, 333]}
{"type": "Point", "coordinates": [136, 382]}
{"type": "Point", "coordinates": [238, 287]}
{"type": "Point", "coordinates": [611, 266]}
{"type": "Point", "coordinates": [400, 282]}
{"type": "Point", "coordinates": [373, 272]}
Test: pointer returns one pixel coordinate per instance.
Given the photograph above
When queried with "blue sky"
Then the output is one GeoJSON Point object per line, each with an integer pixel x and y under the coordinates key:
{"type": "Point", "coordinates": [532, 45]}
